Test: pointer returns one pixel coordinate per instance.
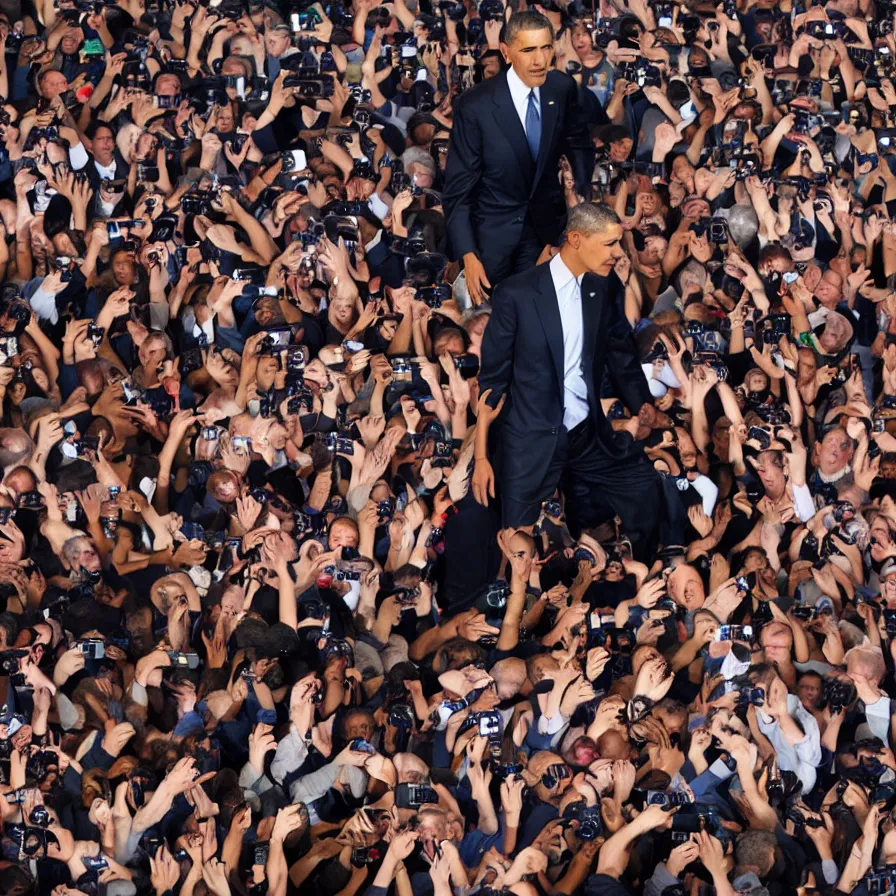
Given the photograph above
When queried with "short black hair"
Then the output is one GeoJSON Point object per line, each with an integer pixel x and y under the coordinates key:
{"type": "Point", "coordinates": [91, 130]}
{"type": "Point", "coordinates": [528, 20]}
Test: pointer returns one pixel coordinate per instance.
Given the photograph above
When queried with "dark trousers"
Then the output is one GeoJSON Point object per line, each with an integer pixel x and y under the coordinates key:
{"type": "Point", "coordinates": [596, 487]}
{"type": "Point", "coordinates": [521, 258]}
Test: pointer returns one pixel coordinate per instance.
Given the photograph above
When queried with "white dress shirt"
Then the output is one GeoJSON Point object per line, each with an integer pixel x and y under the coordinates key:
{"type": "Point", "coordinates": [569, 300]}
{"type": "Point", "coordinates": [106, 171]}
{"type": "Point", "coordinates": [803, 757]}
{"type": "Point", "coordinates": [519, 93]}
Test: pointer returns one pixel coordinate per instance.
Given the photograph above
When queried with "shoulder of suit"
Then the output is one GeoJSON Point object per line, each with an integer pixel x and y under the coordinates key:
{"type": "Point", "coordinates": [560, 81]}
{"type": "Point", "coordinates": [521, 285]}
{"type": "Point", "coordinates": [483, 90]}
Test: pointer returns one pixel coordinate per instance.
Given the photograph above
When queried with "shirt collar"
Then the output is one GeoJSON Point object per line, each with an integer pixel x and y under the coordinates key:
{"type": "Point", "coordinates": [519, 92]}
{"type": "Point", "coordinates": [375, 241]}
{"type": "Point", "coordinates": [561, 274]}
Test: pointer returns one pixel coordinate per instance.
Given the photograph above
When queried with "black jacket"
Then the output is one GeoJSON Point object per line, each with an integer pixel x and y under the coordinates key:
{"type": "Point", "coordinates": [522, 357]}
{"type": "Point", "coordinates": [94, 178]}
{"type": "Point", "coordinates": [491, 181]}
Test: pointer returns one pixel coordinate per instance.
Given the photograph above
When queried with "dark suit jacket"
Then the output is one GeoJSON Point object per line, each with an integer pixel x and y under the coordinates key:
{"type": "Point", "coordinates": [491, 181]}
{"type": "Point", "coordinates": [522, 357]}
{"type": "Point", "coordinates": [122, 169]}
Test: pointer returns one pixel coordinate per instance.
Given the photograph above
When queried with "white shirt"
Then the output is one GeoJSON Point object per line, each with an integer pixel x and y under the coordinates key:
{"type": "Point", "coordinates": [77, 156]}
{"type": "Point", "coordinates": [519, 93]}
{"type": "Point", "coordinates": [106, 171]}
{"type": "Point", "coordinates": [44, 305]}
{"type": "Point", "coordinates": [569, 300]}
{"type": "Point", "coordinates": [877, 715]}
{"type": "Point", "coordinates": [802, 757]}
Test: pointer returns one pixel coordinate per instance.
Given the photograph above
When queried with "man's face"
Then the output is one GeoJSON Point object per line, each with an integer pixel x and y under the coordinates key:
{"type": "Point", "coordinates": [756, 381]}
{"type": "Point", "coordinates": [69, 44]}
{"type": "Point", "coordinates": [829, 289]}
{"type": "Point", "coordinates": [686, 587]}
{"type": "Point", "coordinates": [809, 691]}
{"type": "Point", "coordinates": [103, 145]}
{"type": "Point", "coordinates": [771, 474]}
{"type": "Point", "coordinates": [682, 170]}
{"type": "Point", "coordinates": [601, 250]}
{"type": "Point", "coordinates": [341, 311]}
{"type": "Point", "coordinates": [835, 453]}
{"type": "Point", "coordinates": [123, 269]}
{"type": "Point", "coordinates": [276, 43]}
{"type": "Point", "coordinates": [422, 177]}
{"type": "Point", "coordinates": [530, 55]}
{"type": "Point", "coordinates": [650, 202]}
{"type": "Point", "coordinates": [621, 149]}
{"type": "Point", "coordinates": [432, 828]}
{"type": "Point", "coordinates": [343, 535]}
{"type": "Point", "coordinates": [225, 120]}
{"type": "Point", "coordinates": [53, 84]}
{"type": "Point", "coordinates": [359, 725]}
{"type": "Point", "coordinates": [167, 85]}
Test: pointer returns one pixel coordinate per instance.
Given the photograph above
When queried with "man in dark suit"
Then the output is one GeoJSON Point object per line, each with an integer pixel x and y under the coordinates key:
{"type": "Point", "coordinates": [552, 334]}
{"type": "Point", "coordinates": [503, 199]}
{"type": "Point", "coordinates": [104, 162]}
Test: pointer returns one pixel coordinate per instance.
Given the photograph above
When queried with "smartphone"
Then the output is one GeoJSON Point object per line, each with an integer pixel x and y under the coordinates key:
{"type": "Point", "coordinates": [761, 435]}
{"type": "Point", "coordinates": [734, 633]}
{"type": "Point", "coordinates": [293, 160]}
{"type": "Point", "coordinates": [92, 648]}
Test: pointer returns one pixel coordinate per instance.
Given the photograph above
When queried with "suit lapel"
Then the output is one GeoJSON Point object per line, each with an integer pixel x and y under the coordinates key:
{"type": "Point", "coordinates": [549, 111]}
{"type": "Point", "coordinates": [549, 313]}
{"type": "Point", "coordinates": [511, 125]}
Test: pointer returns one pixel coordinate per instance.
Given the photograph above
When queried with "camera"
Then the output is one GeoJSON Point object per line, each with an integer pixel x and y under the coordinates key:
{"type": "Point", "coordinates": [92, 648]}
{"type": "Point", "coordinates": [838, 694]}
{"type": "Point", "coordinates": [734, 633]}
{"type": "Point", "coordinates": [713, 360]}
{"type": "Point", "coordinates": [401, 715]}
{"type": "Point", "coordinates": [337, 444]}
{"type": "Point", "coordinates": [344, 226]}
{"type": "Point", "coordinates": [10, 661]}
{"type": "Point", "coordinates": [661, 798]}
{"type": "Point", "coordinates": [413, 796]}
{"type": "Point", "coordinates": [434, 296]}
{"type": "Point", "coordinates": [639, 72]}
{"type": "Point", "coordinates": [312, 88]}
{"type": "Point", "coordinates": [589, 819]}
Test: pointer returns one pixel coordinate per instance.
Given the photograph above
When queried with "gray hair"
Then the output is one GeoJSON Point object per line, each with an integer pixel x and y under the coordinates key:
{"type": "Point", "coordinates": [870, 660]}
{"type": "Point", "coordinates": [72, 547]}
{"type": "Point", "coordinates": [414, 155]}
{"type": "Point", "coordinates": [590, 217]}
{"type": "Point", "coordinates": [528, 20]}
{"type": "Point", "coordinates": [743, 224]}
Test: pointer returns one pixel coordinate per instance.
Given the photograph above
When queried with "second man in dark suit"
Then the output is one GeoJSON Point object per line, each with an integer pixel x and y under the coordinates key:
{"type": "Point", "coordinates": [553, 333]}
{"type": "Point", "coordinates": [503, 199]}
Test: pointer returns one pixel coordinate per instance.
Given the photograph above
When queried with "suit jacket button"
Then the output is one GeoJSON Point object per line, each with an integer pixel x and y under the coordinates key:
{"type": "Point", "coordinates": [554, 430]}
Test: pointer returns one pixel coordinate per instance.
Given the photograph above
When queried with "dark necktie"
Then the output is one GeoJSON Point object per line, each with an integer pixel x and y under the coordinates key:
{"type": "Point", "coordinates": [533, 125]}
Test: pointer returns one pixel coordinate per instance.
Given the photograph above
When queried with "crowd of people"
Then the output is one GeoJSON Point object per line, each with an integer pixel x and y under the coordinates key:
{"type": "Point", "coordinates": [447, 448]}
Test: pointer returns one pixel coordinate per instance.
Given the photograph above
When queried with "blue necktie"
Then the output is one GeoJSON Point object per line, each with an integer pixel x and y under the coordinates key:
{"type": "Point", "coordinates": [533, 125]}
